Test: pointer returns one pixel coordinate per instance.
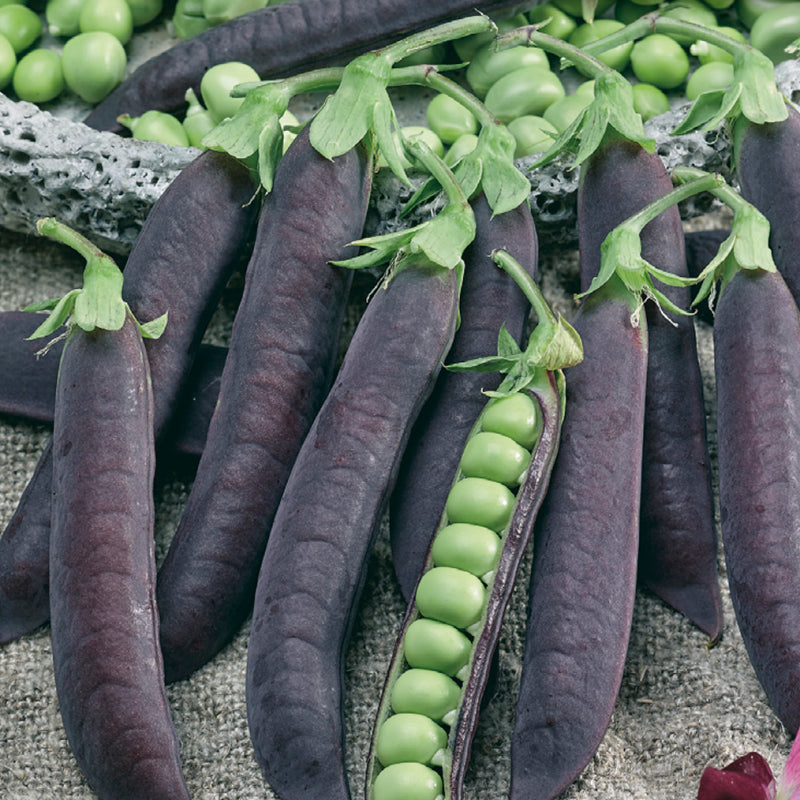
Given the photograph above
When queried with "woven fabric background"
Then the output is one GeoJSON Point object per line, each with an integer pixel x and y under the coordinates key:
{"type": "Point", "coordinates": [681, 705]}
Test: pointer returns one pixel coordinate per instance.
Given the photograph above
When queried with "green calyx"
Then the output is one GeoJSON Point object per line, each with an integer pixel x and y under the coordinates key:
{"type": "Point", "coordinates": [99, 303]}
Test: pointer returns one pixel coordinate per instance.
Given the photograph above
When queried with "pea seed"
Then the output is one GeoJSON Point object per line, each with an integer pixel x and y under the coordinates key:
{"type": "Point", "coordinates": [480, 502]}
{"type": "Point", "coordinates": [425, 691]}
{"type": "Point", "coordinates": [409, 737]}
{"type": "Point", "coordinates": [495, 457]}
{"type": "Point", "coordinates": [516, 416]}
{"type": "Point", "coordinates": [407, 781]}
{"type": "Point", "coordinates": [429, 644]}
{"type": "Point", "coordinates": [451, 595]}
{"type": "Point", "coordinates": [464, 546]}
{"type": "Point", "coordinates": [489, 64]}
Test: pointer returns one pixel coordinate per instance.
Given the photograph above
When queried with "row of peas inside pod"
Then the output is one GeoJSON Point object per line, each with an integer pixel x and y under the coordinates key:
{"type": "Point", "coordinates": [426, 688]}
{"type": "Point", "coordinates": [68, 47]}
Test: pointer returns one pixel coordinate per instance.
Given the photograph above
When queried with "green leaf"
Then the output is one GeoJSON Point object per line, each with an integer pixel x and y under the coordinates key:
{"type": "Point", "coordinates": [504, 186]}
{"type": "Point", "coordinates": [709, 109]}
{"type": "Point", "coordinates": [760, 99]}
{"type": "Point", "coordinates": [61, 309]}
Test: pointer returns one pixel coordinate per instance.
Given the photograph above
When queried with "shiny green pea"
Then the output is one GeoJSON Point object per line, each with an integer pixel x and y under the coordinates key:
{"type": "Point", "coordinates": [197, 121]}
{"type": "Point", "coordinates": [63, 17]}
{"type": "Point", "coordinates": [495, 457]}
{"type": "Point", "coordinates": [219, 11]}
{"type": "Point", "coordinates": [532, 134]}
{"type": "Point", "coordinates": [8, 61]}
{"type": "Point", "coordinates": [93, 63]}
{"type": "Point", "coordinates": [448, 119]}
{"type": "Point", "coordinates": [451, 595]}
{"type": "Point", "coordinates": [706, 52]}
{"type": "Point", "coordinates": [690, 11]}
{"type": "Point", "coordinates": [775, 29]}
{"type": "Point", "coordinates": [617, 57]}
{"type": "Point", "coordinates": [517, 416]}
{"type": "Point", "coordinates": [465, 143]}
{"type": "Point", "coordinates": [649, 101]}
{"type": "Point", "coordinates": [462, 545]}
{"type": "Point", "coordinates": [21, 26]}
{"type": "Point", "coordinates": [748, 11]}
{"type": "Point", "coordinates": [38, 77]}
{"type": "Point", "coordinates": [111, 16]}
{"type": "Point", "coordinates": [156, 126]}
{"type": "Point", "coordinates": [566, 110]}
{"type": "Point", "coordinates": [217, 83]}
{"type": "Point", "coordinates": [489, 65]}
{"type": "Point", "coordinates": [145, 11]}
{"type": "Point", "coordinates": [575, 7]}
{"type": "Point", "coordinates": [660, 60]}
{"type": "Point", "coordinates": [627, 11]}
{"type": "Point", "coordinates": [425, 691]}
{"type": "Point", "coordinates": [407, 781]}
{"type": "Point", "coordinates": [480, 502]}
{"type": "Point", "coordinates": [429, 644]}
{"type": "Point", "coordinates": [412, 132]}
{"type": "Point", "coordinates": [708, 77]}
{"type": "Point", "coordinates": [585, 89]}
{"type": "Point", "coordinates": [409, 737]}
{"type": "Point", "coordinates": [188, 19]}
{"type": "Point", "coordinates": [529, 90]}
{"type": "Point", "coordinates": [560, 24]}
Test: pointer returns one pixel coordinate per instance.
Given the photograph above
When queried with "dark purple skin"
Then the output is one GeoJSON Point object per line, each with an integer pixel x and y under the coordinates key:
{"type": "Point", "coordinates": [28, 384]}
{"type": "Point", "coordinates": [489, 299]}
{"type": "Point", "coordinates": [757, 370]}
{"type": "Point", "coordinates": [195, 236]}
{"type": "Point", "coordinates": [276, 41]}
{"type": "Point", "coordinates": [316, 557]}
{"type": "Point", "coordinates": [766, 164]}
{"type": "Point", "coordinates": [678, 540]}
{"type": "Point", "coordinates": [104, 624]}
{"type": "Point", "coordinates": [280, 365]}
{"type": "Point", "coordinates": [583, 581]}
{"type": "Point", "coordinates": [701, 247]}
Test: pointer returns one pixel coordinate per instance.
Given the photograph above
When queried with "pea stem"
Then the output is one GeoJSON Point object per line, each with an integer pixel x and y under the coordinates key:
{"type": "Point", "coordinates": [439, 34]}
{"type": "Point", "coordinates": [58, 231]}
{"type": "Point", "coordinates": [527, 284]}
{"type": "Point", "coordinates": [443, 174]}
{"type": "Point", "coordinates": [721, 189]}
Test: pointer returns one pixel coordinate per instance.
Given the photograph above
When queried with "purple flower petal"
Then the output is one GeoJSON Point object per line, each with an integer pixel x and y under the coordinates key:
{"type": "Point", "coordinates": [746, 778]}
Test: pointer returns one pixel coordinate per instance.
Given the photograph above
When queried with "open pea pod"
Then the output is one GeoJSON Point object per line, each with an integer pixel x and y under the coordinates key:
{"type": "Point", "coordinates": [429, 707]}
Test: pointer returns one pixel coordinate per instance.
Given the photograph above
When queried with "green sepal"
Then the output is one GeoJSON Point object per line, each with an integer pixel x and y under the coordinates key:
{"type": "Point", "coordinates": [612, 108]}
{"type": "Point", "coordinates": [710, 109]}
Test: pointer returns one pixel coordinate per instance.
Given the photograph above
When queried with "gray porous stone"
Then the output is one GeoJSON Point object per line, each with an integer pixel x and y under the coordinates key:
{"type": "Point", "coordinates": [104, 185]}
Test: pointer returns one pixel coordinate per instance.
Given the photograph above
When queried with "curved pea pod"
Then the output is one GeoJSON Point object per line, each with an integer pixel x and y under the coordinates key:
{"type": "Point", "coordinates": [279, 368]}
{"type": "Point", "coordinates": [466, 581]}
{"type": "Point", "coordinates": [757, 370]}
{"type": "Point", "coordinates": [195, 236]}
{"type": "Point", "coordinates": [583, 579]}
{"type": "Point", "coordinates": [314, 564]}
{"type": "Point", "coordinates": [678, 540]}
{"type": "Point", "coordinates": [28, 384]}
{"type": "Point", "coordinates": [489, 299]}
{"type": "Point", "coordinates": [276, 41]}
{"type": "Point", "coordinates": [107, 664]}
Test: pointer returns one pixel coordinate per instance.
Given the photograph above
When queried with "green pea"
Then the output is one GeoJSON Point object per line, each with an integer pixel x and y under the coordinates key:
{"type": "Point", "coordinates": [706, 52]}
{"type": "Point", "coordinates": [532, 134]}
{"type": "Point", "coordinates": [21, 26]}
{"type": "Point", "coordinates": [219, 11]}
{"type": "Point", "coordinates": [495, 457]}
{"type": "Point", "coordinates": [451, 595]}
{"type": "Point", "coordinates": [197, 121]}
{"type": "Point", "coordinates": [465, 144]}
{"type": "Point", "coordinates": [585, 89]}
{"type": "Point", "coordinates": [93, 63]}
{"type": "Point", "coordinates": [480, 502]}
{"type": "Point", "coordinates": [690, 11]}
{"type": "Point", "coordinates": [748, 11]}
{"type": "Point", "coordinates": [111, 16]}
{"type": "Point", "coordinates": [144, 11]}
{"type": "Point", "coordinates": [62, 17]}
{"type": "Point", "coordinates": [409, 737]}
{"type": "Point", "coordinates": [517, 416]}
{"type": "Point", "coordinates": [217, 83]}
{"type": "Point", "coordinates": [575, 7]}
{"type": "Point", "coordinates": [39, 77]}
{"type": "Point", "coordinates": [560, 24]}
{"type": "Point", "coordinates": [489, 65]}
{"type": "Point", "coordinates": [412, 132]}
{"type": "Point", "coordinates": [775, 29]}
{"type": "Point", "coordinates": [617, 57]}
{"type": "Point", "coordinates": [188, 19]}
{"type": "Point", "coordinates": [462, 545]}
{"type": "Point", "coordinates": [660, 60]}
{"type": "Point", "coordinates": [566, 110]}
{"type": "Point", "coordinates": [449, 119]}
{"type": "Point", "coordinates": [425, 691]}
{"type": "Point", "coordinates": [429, 644]}
{"type": "Point", "coordinates": [649, 101]}
{"type": "Point", "coordinates": [627, 11]}
{"type": "Point", "coordinates": [708, 77]}
{"type": "Point", "coordinates": [8, 61]}
{"type": "Point", "coordinates": [529, 90]}
{"type": "Point", "coordinates": [434, 54]}
{"type": "Point", "coordinates": [407, 781]}
{"type": "Point", "coordinates": [156, 126]}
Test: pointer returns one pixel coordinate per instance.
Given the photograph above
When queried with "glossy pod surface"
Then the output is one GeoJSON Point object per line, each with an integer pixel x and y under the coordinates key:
{"type": "Point", "coordinates": [584, 569]}
{"type": "Point", "coordinates": [757, 368]}
{"type": "Point", "coordinates": [313, 569]}
{"type": "Point", "coordinates": [489, 299]}
{"type": "Point", "coordinates": [279, 367]}
{"type": "Point", "coordinates": [276, 40]}
{"type": "Point", "coordinates": [194, 237]}
{"type": "Point", "coordinates": [678, 542]}
{"type": "Point", "coordinates": [107, 663]}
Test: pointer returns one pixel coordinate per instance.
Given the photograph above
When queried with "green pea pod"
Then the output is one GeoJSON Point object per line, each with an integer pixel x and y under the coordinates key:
{"type": "Point", "coordinates": [436, 678]}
